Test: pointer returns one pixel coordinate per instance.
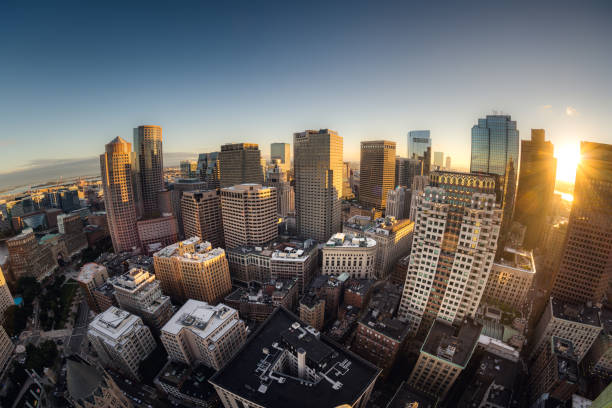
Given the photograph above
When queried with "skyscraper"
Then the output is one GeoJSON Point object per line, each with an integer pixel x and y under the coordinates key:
{"type": "Point", "coordinates": [418, 142]}
{"type": "Point", "coordinates": [448, 163]}
{"type": "Point", "coordinates": [149, 167]}
{"type": "Point", "coordinates": [117, 183]}
{"type": "Point", "coordinates": [189, 168]}
{"type": "Point", "coordinates": [281, 151]}
{"type": "Point", "coordinates": [317, 157]}
{"type": "Point", "coordinates": [536, 186]}
{"type": "Point", "coordinates": [377, 172]}
{"type": "Point", "coordinates": [439, 159]}
{"type": "Point", "coordinates": [586, 265]}
{"type": "Point", "coordinates": [240, 163]}
{"type": "Point", "coordinates": [209, 169]}
{"type": "Point", "coordinates": [495, 150]}
{"type": "Point", "coordinates": [406, 170]}
{"type": "Point", "coordinates": [201, 211]}
{"type": "Point", "coordinates": [285, 194]}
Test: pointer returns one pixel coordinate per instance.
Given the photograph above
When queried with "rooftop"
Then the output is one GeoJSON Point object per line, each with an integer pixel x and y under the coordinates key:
{"type": "Point", "coordinates": [310, 300]}
{"type": "Point", "coordinates": [88, 271]}
{"type": "Point", "coordinates": [359, 286]}
{"type": "Point", "coordinates": [447, 343]}
{"type": "Point", "coordinates": [199, 317]}
{"type": "Point", "coordinates": [114, 323]}
{"type": "Point", "coordinates": [257, 373]}
{"type": "Point", "coordinates": [575, 312]}
{"type": "Point", "coordinates": [567, 364]}
{"type": "Point", "coordinates": [263, 293]}
{"type": "Point", "coordinates": [517, 259]}
{"type": "Point", "coordinates": [387, 225]}
{"type": "Point", "coordinates": [202, 251]}
{"type": "Point", "coordinates": [284, 250]}
{"type": "Point", "coordinates": [343, 240]}
{"type": "Point", "coordinates": [187, 380]}
{"type": "Point", "coordinates": [407, 397]}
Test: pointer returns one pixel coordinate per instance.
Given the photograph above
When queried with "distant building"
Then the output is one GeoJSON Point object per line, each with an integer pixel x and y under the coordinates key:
{"type": "Point", "coordinates": [149, 167]}
{"type": "Point", "coordinates": [28, 258]}
{"type": "Point", "coordinates": [285, 195]}
{"type": "Point", "coordinates": [418, 143]}
{"type": "Point", "coordinates": [209, 170]}
{"type": "Point", "coordinates": [258, 301]}
{"type": "Point", "coordinates": [120, 340]}
{"type": "Point", "coordinates": [287, 364]}
{"type": "Point", "coordinates": [447, 164]}
{"type": "Point", "coordinates": [91, 276]}
{"type": "Point", "coordinates": [351, 254]}
{"type": "Point", "coordinates": [377, 172]}
{"type": "Point", "coordinates": [511, 278]}
{"type": "Point", "coordinates": [555, 371]}
{"type": "Point", "coordinates": [282, 152]}
{"type": "Point", "coordinates": [347, 190]}
{"type": "Point", "coordinates": [398, 203]}
{"type": "Point", "coordinates": [71, 226]}
{"type": "Point", "coordinates": [177, 189]}
{"type": "Point", "coordinates": [201, 212]}
{"type": "Point", "coordinates": [439, 159]}
{"type": "Point", "coordinates": [89, 387]}
{"type": "Point", "coordinates": [203, 334]}
{"type": "Point", "coordinates": [189, 168]}
{"type": "Point", "coordinates": [240, 163]}
{"type": "Point", "coordinates": [406, 169]}
{"type": "Point", "coordinates": [156, 233]}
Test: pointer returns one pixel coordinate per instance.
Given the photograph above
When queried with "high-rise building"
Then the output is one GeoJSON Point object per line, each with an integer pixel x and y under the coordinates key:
{"type": "Point", "coordinates": [317, 157]}
{"type": "Point", "coordinates": [120, 340]}
{"type": "Point", "coordinates": [156, 233]}
{"type": "Point", "coordinates": [91, 276]}
{"type": "Point", "coordinates": [586, 266]}
{"type": "Point", "coordinates": [249, 215]}
{"type": "Point", "coordinates": [398, 203]}
{"type": "Point", "coordinates": [282, 152]}
{"type": "Point", "coordinates": [240, 163]}
{"type": "Point", "coordinates": [189, 168]}
{"type": "Point", "coordinates": [28, 258]}
{"type": "Point", "coordinates": [6, 348]}
{"type": "Point", "coordinates": [536, 186]}
{"type": "Point", "coordinates": [418, 143]}
{"type": "Point", "coordinates": [511, 278]}
{"type": "Point", "coordinates": [448, 163]}
{"type": "Point", "coordinates": [119, 197]}
{"type": "Point", "coordinates": [149, 167]}
{"type": "Point", "coordinates": [495, 150]}
{"type": "Point", "coordinates": [377, 172]}
{"type": "Point", "coordinates": [201, 212]}
{"type": "Point", "coordinates": [202, 333]}
{"type": "Point", "coordinates": [347, 191]}
{"type": "Point", "coordinates": [192, 269]}
{"type": "Point", "coordinates": [6, 299]}
{"type": "Point", "coordinates": [137, 291]}
{"type": "Point", "coordinates": [71, 226]}
{"type": "Point", "coordinates": [285, 195]}
{"type": "Point", "coordinates": [209, 170]}
{"type": "Point", "coordinates": [176, 193]}
{"type": "Point", "coordinates": [439, 159]}
{"type": "Point", "coordinates": [351, 254]}
{"type": "Point", "coordinates": [393, 240]}
{"type": "Point", "coordinates": [406, 170]}
{"type": "Point", "coordinates": [456, 228]}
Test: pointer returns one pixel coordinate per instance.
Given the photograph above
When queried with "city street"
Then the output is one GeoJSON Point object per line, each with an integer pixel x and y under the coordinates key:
{"type": "Point", "coordinates": [75, 341]}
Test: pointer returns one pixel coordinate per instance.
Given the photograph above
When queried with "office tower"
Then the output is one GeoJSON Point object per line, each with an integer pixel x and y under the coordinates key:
{"type": "Point", "coordinates": [120, 340]}
{"type": "Point", "coordinates": [192, 269]}
{"type": "Point", "coordinates": [91, 276]}
{"type": "Point", "coordinates": [377, 172]}
{"type": "Point", "coordinates": [393, 240]}
{"type": "Point", "coordinates": [418, 185]}
{"type": "Point", "coordinates": [285, 348]}
{"type": "Point", "coordinates": [209, 170]}
{"type": "Point", "coordinates": [156, 233]}
{"type": "Point", "coordinates": [599, 357]}
{"type": "Point", "coordinates": [201, 212]}
{"type": "Point", "coordinates": [249, 215]}
{"type": "Point", "coordinates": [6, 299]}
{"type": "Point", "coordinates": [149, 167]}
{"type": "Point", "coordinates": [137, 291]}
{"type": "Point", "coordinates": [257, 301]}
{"type": "Point", "coordinates": [554, 245]}
{"type": "Point", "coordinates": [536, 186]}
{"type": "Point", "coordinates": [577, 323]}
{"type": "Point", "coordinates": [351, 254]}
{"type": "Point", "coordinates": [189, 168]}
{"type": "Point", "coordinates": [347, 191]}
{"type": "Point", "coordinates": [439, 159]}
{"type": "Point", "coordinates": [398, 203]}
{"type": "Point", "coordinates": [89, 387]}
{"type": "Point", "coordinates": [317, 162]}
{"type": "Point", "coordinates": [445, 353]}
{"type": "Point", "coordinates": [454, 242]}
{"type": "Point", "coordinates": [418, 143]}
{"type": "Point", "coordinates": [448, 163]}
{"type": "Point", "coordinates": [71, 228]}
{"type": "Point", "coordinates": [28, 258]}
{"type": "Point", "coordinates": [586, 266]}
{"type": "Point", "coordinates": [119, 197]}
{"type": "Point", "coordinates": [285, 195]}
{"type": "Point", "coordinates": [511, 278]}
{"type": "Point", "coordinates": [6, 348]}
{"type": "Point", "coordinates": [282, 152]}
{"type": "Point", "coordinates": [177, 189]}
{"type": "Point", "coordinates": [202, 333]}
{"type": "Point", "coordinates": [555, 372]}
{"type": "Point", "coordinates": [240, 163]}
{"type": "Point", "coordinates": [495, 150]}
{"type": "Point", "coordinates": [406, 170]}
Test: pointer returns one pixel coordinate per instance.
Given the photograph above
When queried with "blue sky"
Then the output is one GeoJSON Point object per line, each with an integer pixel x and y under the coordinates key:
{"type": "Point", "coordinates": [73, 75]}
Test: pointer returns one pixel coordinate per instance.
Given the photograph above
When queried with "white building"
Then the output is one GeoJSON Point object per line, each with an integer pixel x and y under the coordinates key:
{"type": "Point", "coordinates": [351, 254]}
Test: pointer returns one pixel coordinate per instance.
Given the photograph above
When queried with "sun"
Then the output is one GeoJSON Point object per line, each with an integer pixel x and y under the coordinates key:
{"type": "Point", "coordinates": [568, 158]}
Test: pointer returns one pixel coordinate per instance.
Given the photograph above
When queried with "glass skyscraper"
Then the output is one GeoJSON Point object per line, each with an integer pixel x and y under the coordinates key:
{"type": "Point", "coordinates": [418, 142]}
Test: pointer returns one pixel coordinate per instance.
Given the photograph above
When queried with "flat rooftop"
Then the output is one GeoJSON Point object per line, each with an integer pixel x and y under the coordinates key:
{"type": "Point", "coordinates": [199, 317]}
{"type": "Point", "coordinates": [343, 240]}
{"type": "Point", "coordinates": [283, 250]}
{"type": "Point", "coordinates": [113, 323]}
{"type": "Point", "coordinates": [187, 380]}
{"type": "Point", "coordinates": [257, 374]}
{"type": "Point", "coordinates": [575, 312]}
{"type": "Point", "coordinates": [359, 286]}
{"type": "Point", "coordinates": [517, 259]}
{"type": "Point", "coordinates": [203, 251]}
{"type": "Point", "coordinates": [453, 345]}
{"type": "Point", "coordinates": [388, 225]}
{"type": "Point", "coordinates": [87, 271]}
{"type": "Point", "coordinates": [407, 397]}
{"type": "Point", "coordinates": [263, 293]}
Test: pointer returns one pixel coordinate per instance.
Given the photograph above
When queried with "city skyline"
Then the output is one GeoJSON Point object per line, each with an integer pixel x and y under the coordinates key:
{"type": "Point", "coordinates": [381, 98]}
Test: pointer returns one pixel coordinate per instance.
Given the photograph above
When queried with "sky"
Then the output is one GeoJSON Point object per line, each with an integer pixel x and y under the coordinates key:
{"type": "Point", "coordinates": [73, 75]}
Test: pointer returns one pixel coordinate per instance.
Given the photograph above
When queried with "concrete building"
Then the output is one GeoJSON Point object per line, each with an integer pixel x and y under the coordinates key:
{"type": "Point", "coordinates": [511, 278]}
{"type": "Point", "coordinates": [104, 296]}
{"type": "Point", "coordinates": [119, 195]}
{"type": "Point", "coordinates": [258, 301]}
{"type": "Point", "coordinates": [312, 310]}
{"type": "Point", "coordinates": [192, 269]}
{"type": "Point", "coordinates": [287, 364]}
{"type": "Point", "coordinates": [445, 353]}
{"type": "Point", "coordinates": [393, 240]}
{"type": "Point", "coordinates": [120, 340]}
{"type": "Point", "coordinates": [71, 227]}
{"type": "Point", "coordinates": [201, 212]}
{"type": "Point", "coordinates": [249, 215]}
{"type": "Point", "coordinates": [138, 292]}
{"type": "Point", "coordinates": [28, 258]}
{"type": "Point", "coordinates": [406, 169]}
{"type": "Point", "coordinates": [574, 322]}
{"type": "Point", "coordinates": [454, 244]}
{"type": "Point", "coordinates": [317, 156]}
{"type": "Point", "coordinates": [177, 189]}
{"type": "Point", "coordinates": [6, 349]}
{"type": "Point", "coordinates": [240, 163]}
{"type": "Point", "coordinates": [202, 333]}
{"type": "Point", "coordinates": [149, 167]}
{"type": "Point", "coordinates": [377, 172]}
{"type": "Point", "coordinates": [156, 233]}
{"type": "Point", "coordinates": [285, 195]}
{"type": "Point", "coordinates": [351, 254]}
{"type": "Point", "coordinates": [282, 152]}
{"type": "Point", "coordinates": [555, 371]}
{"type": "Point", "coordinates": [599, 357]}
{"type": "Point", "coordinates": [89, 387]}
{"type": "Point", "coordinates": [398, 203]}
{"type": "Point", "coordinates": [6, 299]}
{"type": "Point", "coordinates": [91, 276]}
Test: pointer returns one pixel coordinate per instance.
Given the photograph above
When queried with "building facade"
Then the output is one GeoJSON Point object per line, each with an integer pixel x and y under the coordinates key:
{"type": "Point", "coordinates": [285, 194]}
{"type": "Point", "coordinates": [406, 169]}
{"type": "Point", "coordinates": [149, 167]}
{"type": "Point", "coordinates": [209, 170]}
{"type": "Point", "coordinates": [312, 310]}
{"type": "Point", "coordinates": [90, 387]}
{"type": "Point", "coordinates": [282, 152]}
{"type": "Point", "coordinates": [91, 276]}
{"type": "Point", "coordinates": [377, 173]}
{"type": "Point", "coordinates": [511, 278]}
{"type": "Point", "coordinates": [398, 203]}
{"type": "Point", "coordinates": [418, 143]}
{"type": "Point", "coordinates": [240, 163]}
{"type": "Point", "coordinates": [28, 258]}
{"type": "Point", "coordinates": [351, 254]}
{"type": "Point", "coordinates": [201, 212]}
{"type": "Point", "coordinates": [6, 299]}
{"type": "Point", "coordinates": [156, 233]}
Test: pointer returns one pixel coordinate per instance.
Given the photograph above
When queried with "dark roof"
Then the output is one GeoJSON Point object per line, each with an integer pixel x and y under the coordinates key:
{"type": "Point", "coordinates": [406, 395]}
{"type": "Point", "coordinates": [450, 344]}
{"type": "Point", "coordinates": [82, 379]}
{"type": "Point", "coordinates": [246, 374]}
{"type": "Point", "coordinates": [390, 327]}
{"type": "Point", "coordinates": [575, 312]}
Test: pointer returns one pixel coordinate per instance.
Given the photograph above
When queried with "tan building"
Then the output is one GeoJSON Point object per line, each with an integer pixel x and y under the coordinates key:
{"type": "Point", "coordinates": [156, 233]}
{"type": "Point", "coordinates": [511, 278]}
{"type": "Point", "coordinates": [71, 228]}
{"type": "Point", "coordinates": [445, 353]}
{"type": "Point", "coordinates": [285, 195]}
{"type": "Point", "coordinates": [119, 195]}
{"type": "Point", "coordinates": [201, 333]}
{"type": "Point", "coordinates": [91, 276]}
{"type": "Point", "coordinates": [149, 168]}
{"type": "Point", "coordinates": [317, 159]}
{"type": "Point", "coordinates": [6, 299]}
{"type": "Point", "coordinates": [192, 269]}
{"type": "Point", "coordinates": [398, 202]}
{"type": "Point", "coordinates": [393, 240]}
{"type": "Point", "coordinates": [28, 258]}
{"type": "Point", "coordinates": [240, 163]}
{"type": "Point", "coordinates": [282, 153]}
{"type": "Point", "coordinates": [312, 310]}
{"type": "Point", "coordinates": [376, 172]}
{"type": "Point", "coordinates": [138, 292]}
{"type": "Point", "coordinates": [120, 340]}
{"type": "Point", "coordinates": [89, 387]}
{"type": "Point", "coordinates": [6, 349]}
{"type": "Point", "coordinates": [351, 254]}
{"type": "Point", "coordinates": [201, 211]}
{"type": "Point", "coordinates": [249, 215]}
